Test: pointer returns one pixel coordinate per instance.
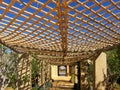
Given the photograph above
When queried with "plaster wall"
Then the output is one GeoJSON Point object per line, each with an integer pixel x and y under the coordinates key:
{"type": "Point", "coordinates": [100, 72]}
{"type": "Point", "coordinates": [54, 74]}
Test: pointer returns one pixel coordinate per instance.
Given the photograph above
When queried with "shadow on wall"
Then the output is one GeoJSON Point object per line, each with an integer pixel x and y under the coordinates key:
{"type": "Point", "coordinates": [108, 82]}
{"type": "Point", "coordinates": [102, 83]}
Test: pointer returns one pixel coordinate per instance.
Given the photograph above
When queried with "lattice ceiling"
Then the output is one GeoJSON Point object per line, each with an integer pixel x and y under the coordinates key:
{"type": "Point", "coordinates": [51, 27]}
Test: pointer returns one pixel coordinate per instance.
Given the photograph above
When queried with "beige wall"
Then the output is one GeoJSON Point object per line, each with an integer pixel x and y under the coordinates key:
{"type": "Point", "coordinates": [54, 74]}
{"type": "Point", "coordinates": [100, 71]}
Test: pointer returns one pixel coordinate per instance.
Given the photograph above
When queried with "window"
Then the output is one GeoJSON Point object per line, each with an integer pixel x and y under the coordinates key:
{"type": "Point", "coordinates": [62, 71]}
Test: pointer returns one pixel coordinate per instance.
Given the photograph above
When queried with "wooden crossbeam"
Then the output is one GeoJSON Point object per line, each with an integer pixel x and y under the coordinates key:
{"type": "Point", "coordinates": [61, 30]}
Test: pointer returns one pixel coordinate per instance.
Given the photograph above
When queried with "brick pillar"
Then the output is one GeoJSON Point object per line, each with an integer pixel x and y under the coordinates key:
{"type": "Point", "coordinates": [100, 73]}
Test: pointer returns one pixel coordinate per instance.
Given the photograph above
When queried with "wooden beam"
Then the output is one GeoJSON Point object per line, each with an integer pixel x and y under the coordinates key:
{"type": "Point", "coordinates": [8, 46]}
{"type": "Point", "coordinates": [1, 1]}
{"type": "Point", "coordinates": [62, 18]}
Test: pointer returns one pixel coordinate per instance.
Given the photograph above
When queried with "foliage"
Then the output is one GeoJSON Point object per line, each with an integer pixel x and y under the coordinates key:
{"type": "Point", "coordinates": [73, 76]}
{"type": "Point", "coordinates": [25, 78]}
{"type": "Point", "coordinates": [35, 71]}
{"type": "Point", "coordinates": [90, 72]}
{"type": "Point", "coordinates": [117, 87]}
{"type": "Point", "coordinates": [13, 56]}
{"type": "Point", "coordinates": [12, 79]}
{"type": "Point", "coordinates": [35, 88]}
{"type": "Point", "coordinates": [8, 60]}
{"type": "Point", "coordinates": [4, 49]}
{"type": "Point", "coordinates": [35, 67]}
{"type": "Point", "coordinates": [114, 61]}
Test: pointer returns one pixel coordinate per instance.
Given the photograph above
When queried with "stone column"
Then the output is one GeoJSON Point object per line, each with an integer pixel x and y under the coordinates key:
{"type": "Point", "coordinates": [100, 72]}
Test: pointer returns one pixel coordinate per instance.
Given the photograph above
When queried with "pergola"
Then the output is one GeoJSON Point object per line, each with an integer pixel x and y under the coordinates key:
{"type": "Point", "coordinates": [63, 31]}
{"type": "Point", "coordinates": [59, 31]}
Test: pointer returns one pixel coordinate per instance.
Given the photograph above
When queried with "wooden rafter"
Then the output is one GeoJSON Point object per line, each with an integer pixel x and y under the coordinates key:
{"type": "Point", "coordinates": [69, 29]}
{"type": "Point", "coordinates": [62, 20]}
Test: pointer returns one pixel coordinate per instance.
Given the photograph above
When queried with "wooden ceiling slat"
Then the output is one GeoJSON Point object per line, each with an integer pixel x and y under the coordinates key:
{"type": "Point", "coordinates": [16, 16]}
{"type": "Point", "coordinates": [30, 17]}
{"type": "Point", "coordinates": [91, 18]}
{"type": "Point", "coordinates": [37, 29]}
{"type": "Point", "coordinates": [60, 31]}
{"type": "Point", "coordinates": [7, 9]}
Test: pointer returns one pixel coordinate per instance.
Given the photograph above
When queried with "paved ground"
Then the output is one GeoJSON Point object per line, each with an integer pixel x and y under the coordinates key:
{"type": "Point", "coordinates": [62, 85]}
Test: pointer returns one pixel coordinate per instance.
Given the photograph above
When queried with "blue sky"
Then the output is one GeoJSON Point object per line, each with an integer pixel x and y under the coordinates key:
{"type": "Point", "coordinates": [90, 3]}
{"type": "Point", "coordinates": [54, 13]}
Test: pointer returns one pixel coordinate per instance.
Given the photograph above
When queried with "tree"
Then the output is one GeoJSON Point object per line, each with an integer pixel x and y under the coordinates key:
{"type": "Point", "coordinates": [113, 65]}
{"type": "Point", "coordinates": [8, 60]}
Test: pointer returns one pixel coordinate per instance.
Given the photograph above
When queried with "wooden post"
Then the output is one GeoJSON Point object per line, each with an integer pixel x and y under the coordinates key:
{"type": "Point", "coordinates": [68, 72]}
{"type": "Point", "coordinates": [42, 73]}
{"type": "Point", "coordinates": [24, 73]}
{"type": "Point", "coordinates": [100, 72]}
{"type": "Point", "coordinates": [79, 75]}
